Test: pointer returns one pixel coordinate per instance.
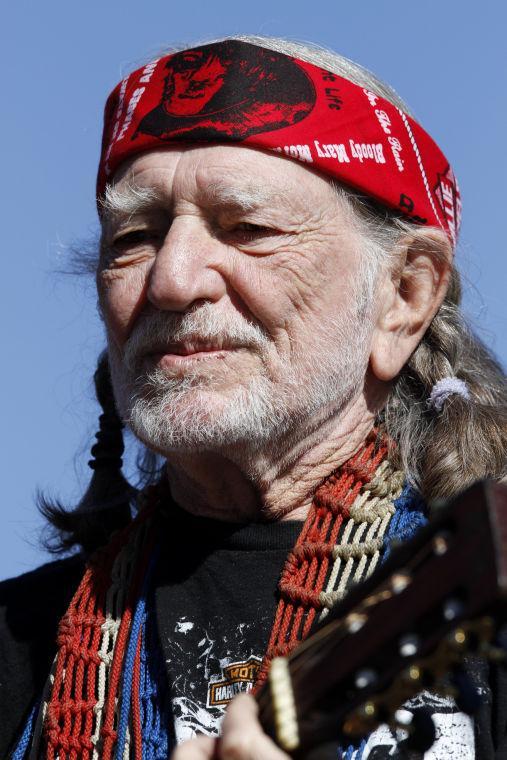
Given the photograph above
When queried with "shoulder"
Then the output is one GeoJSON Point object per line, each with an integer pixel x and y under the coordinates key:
{"type": "Point", "coordinates": [30, 607]}
{"type": "Point", "coordinates": [32, 603]}
{"type": "Point", "coordinates": [52, 577]}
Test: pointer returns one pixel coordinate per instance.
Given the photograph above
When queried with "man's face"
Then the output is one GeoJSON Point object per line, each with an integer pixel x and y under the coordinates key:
{"type": "Point", "coordinates": [193, 83]}
{"type": "Point", "coordinates": [231, 298]}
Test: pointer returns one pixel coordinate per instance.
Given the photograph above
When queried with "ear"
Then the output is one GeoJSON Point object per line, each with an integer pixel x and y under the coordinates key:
{"type": "Point", "coordinates": [409, 298]}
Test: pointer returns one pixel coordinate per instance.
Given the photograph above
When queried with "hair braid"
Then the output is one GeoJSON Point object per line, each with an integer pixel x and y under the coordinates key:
{"type": "Point", "coordinates": [105, 506]}
{"type": "Point", "coordinates": [465, 441]}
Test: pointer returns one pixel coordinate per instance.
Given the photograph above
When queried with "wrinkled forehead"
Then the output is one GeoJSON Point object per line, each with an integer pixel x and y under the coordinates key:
{"type": "Point", "coordinates": [225, 174]}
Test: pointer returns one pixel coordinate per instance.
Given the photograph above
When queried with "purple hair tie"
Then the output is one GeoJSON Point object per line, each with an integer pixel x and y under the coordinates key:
{"type": "Point", "coordinates": [444, 388]}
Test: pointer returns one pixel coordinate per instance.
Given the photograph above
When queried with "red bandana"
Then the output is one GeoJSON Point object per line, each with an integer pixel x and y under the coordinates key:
{"type": "Point", "coordinates": [233, 91]}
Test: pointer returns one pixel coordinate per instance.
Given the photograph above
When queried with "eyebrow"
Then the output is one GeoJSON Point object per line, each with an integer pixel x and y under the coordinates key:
{"type": "Point", "coordinates": [132, 199]}
{"type": "Point", "coordinates": [246, 197]}
{"type": "Point", "coordinates": [128, 200]}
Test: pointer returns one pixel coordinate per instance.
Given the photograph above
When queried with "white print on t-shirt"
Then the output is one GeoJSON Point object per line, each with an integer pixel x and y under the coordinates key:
{"type": "Point", "coordinates": [454, 733]}
{"type": "Point", "coordinates": [205, 674]}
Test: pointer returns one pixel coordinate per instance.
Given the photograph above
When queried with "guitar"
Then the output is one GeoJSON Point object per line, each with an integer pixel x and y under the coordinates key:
{"type": "Point", "coordinates": [407, 628]}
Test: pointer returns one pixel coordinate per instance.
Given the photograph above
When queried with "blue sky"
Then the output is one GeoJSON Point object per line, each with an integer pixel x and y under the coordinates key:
{"type": "Point", "coordinates": [59, 61]}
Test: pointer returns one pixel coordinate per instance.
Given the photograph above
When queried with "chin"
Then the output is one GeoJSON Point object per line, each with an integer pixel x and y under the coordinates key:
{"type": "Point", "coordinates": [205, 419]}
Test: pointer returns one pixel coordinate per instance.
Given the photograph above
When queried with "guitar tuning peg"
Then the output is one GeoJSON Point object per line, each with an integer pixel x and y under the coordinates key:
{"type": "Point", "coordinates": [441, 543]}
{"type": "Point", "coordinates": [467, 697]}
{"type": "Point", "coordinates": [400, 581]}
{"type": "Point", "coordinates": [365, 678]}
{"type": "Point", "coordinates": [458, 639]}
{"type": "Point", "coordinates": [421, 731]}
{"type": "Point", "coordinates": [452, 608]}
{"type": "Point", "coordinates": [409, 645]}
{"type": "Point", "coordinates": [368, 710]}
{"type": "Point", "coordinates": [413, 675]}
{"type": "Point", "coordinates": [355, 621]}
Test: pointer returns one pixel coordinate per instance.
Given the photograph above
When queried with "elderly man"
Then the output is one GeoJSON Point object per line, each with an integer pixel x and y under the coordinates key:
{"type": "Point", "coordinates": [277, 285]}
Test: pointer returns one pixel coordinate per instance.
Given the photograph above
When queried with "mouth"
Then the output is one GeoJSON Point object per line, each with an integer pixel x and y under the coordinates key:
{"type": "Point", "coordinates": [184, 353]}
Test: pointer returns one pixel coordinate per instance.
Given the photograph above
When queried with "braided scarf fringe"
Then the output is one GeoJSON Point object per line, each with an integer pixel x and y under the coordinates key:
{"type": "Point", "coordinates": [106, 695]}
{"type": "Point", "coordinates": [85, 708]}
{"type": "Point", "coordinates": [357, 503]}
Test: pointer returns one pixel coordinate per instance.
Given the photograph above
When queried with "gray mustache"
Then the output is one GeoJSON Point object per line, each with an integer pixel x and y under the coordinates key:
{"type": "Point", "coordinates": [153, 331]}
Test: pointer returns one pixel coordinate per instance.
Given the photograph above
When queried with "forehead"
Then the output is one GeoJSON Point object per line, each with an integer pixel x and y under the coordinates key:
{"type": "Point", "coordinates": [218, 173]}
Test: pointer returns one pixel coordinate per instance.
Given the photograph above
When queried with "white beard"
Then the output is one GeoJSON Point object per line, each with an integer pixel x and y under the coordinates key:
{"type": "Point", "coordinates": [199, 411]}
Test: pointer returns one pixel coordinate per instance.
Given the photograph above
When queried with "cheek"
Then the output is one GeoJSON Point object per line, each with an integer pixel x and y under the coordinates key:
{"type": "Point", "coordinates": [306, 293]}
{"type": "Point", "coordinates": [122, 295]}
{"type": "Point", "coordinates": [281, 293]}
{"type": "Point", "coordinates": [261, 288]}
{"type": "Point", "coordinates": [296, 287]}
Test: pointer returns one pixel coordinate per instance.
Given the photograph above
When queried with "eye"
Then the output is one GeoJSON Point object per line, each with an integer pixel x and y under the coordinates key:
{"type": "Point", "coordinates": [134, 238]}
{"type": "Point", "coordinates": [249, 231]}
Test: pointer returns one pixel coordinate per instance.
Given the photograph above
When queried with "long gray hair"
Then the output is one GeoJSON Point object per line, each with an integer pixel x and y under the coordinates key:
{"type": "Point", "coordinates": [441, 453]}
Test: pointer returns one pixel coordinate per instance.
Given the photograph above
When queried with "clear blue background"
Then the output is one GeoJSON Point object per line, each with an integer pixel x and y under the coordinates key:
{"type": "Point", "coordinates": [58, 62]}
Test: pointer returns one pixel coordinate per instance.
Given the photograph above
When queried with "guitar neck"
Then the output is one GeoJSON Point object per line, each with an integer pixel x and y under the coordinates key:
{"type": "Point", "coordinates": [404, 628]}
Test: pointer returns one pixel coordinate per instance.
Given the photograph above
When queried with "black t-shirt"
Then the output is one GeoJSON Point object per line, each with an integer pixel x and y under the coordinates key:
{"type": "Point", "coordinates": [216, 595]}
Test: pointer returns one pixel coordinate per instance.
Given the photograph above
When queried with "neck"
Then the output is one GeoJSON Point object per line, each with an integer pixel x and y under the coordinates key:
{"type": "Point", "coordinates": [272, 484]}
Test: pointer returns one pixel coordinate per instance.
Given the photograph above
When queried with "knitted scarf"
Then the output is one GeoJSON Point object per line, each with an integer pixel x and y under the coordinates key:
{"type": "Point", "coordinates": [106, 694]}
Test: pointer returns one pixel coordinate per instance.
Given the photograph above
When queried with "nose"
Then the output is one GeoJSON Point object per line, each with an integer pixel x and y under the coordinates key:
{"type": "Point", "coordinates": [185, 269]}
